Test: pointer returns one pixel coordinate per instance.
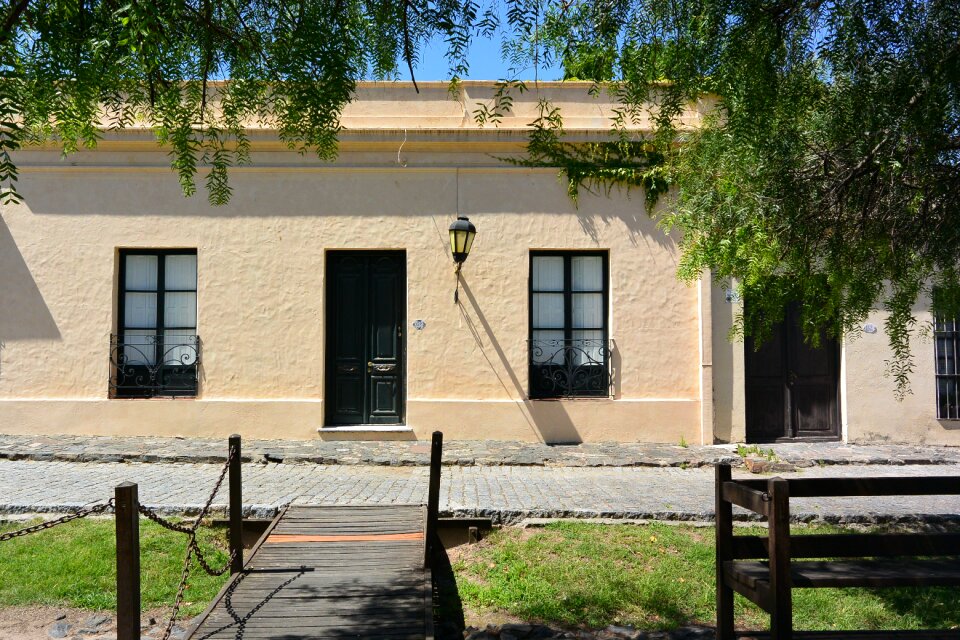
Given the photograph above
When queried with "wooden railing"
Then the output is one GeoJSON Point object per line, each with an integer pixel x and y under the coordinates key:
{"type": "Point", "coordinates": [762, 568]}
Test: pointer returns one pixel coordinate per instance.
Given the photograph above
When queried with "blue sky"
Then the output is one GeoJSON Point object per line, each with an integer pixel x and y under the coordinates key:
{"type": "Point", "coordinates": [485, 64]}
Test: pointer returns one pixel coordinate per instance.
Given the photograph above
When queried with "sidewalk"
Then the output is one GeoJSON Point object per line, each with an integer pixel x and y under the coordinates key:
{"type": "Point", "coordinates": [457, 453]}
{"type": "Point", "coordinates": [507, 494]}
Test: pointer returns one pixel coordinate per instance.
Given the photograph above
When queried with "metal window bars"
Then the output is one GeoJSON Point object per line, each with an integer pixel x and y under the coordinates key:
{"type": "Point", "coordinates": [147, 365]}
{"type": "Point", "coordinates": [947, 351]}
{"type": "Point", "coordinates": [570, 368]}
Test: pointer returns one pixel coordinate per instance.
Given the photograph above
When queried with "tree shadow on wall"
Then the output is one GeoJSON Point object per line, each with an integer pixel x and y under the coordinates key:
{"type": "Point", "coordinates": [543, 416]}
{"type": "Point", "coordinates": [24, 314]}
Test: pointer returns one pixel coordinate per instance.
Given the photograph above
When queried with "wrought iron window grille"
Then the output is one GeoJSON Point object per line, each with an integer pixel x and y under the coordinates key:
{"type": "Point", "coordinates": [570, 368]}
{"type": "Point", "coordinates": [947, 352]}
{"type": "Point", "coordinates": [150, 366]}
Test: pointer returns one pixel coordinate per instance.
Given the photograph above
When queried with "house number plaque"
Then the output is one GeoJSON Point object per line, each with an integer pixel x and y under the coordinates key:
{"type": "Point", "coordinates": [419, 325]}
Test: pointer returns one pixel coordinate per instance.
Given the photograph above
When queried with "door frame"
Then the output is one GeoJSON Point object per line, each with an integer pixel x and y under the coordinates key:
{"type": "Point", "coordinates": [788, 408]}
{"type": "Point", "coordinates": [328, 351]}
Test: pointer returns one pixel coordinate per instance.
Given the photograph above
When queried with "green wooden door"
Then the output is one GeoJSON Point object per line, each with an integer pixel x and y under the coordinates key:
{"type": "Point", "coordinates": [366, 295]}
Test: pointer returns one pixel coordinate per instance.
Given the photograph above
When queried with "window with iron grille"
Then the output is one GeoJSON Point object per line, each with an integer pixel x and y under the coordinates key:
{"type": "Point", "coordinates": [946, 348]}
{"type": "Point", "coordinates": [156, 350]}
{"type": "Point", "coordinates": [569, 354]}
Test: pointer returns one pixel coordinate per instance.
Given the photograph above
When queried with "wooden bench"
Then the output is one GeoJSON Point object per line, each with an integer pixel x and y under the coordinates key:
{"type": "Point", "coordinates": [765, 569]}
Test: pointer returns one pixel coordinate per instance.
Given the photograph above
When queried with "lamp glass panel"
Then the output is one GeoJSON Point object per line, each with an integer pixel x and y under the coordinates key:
{"type": "Point", "coordinates": [468, 241]}
{"type": "Point", "coordinates": [457, 240]}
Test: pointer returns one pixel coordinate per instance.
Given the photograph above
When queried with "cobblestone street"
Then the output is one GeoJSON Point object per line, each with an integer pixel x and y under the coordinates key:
{"type": "Point", "coordinates": [507, 493]}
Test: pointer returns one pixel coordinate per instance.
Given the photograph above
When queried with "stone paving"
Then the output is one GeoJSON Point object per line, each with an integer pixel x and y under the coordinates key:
{"type": "Point", "coordinates": [508, 494]}
{"type": "Point", "coordinates": [456, 453]}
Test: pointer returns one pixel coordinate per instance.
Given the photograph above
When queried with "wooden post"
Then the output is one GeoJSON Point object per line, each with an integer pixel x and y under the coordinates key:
{"type": "Point", "coordinates": [724, 552]}
{"type": "Point", "coordinates": [128, 561]}
{"type": "Point", "coordinates": [433, 495]}
{"type": "Point", "coordinates": [236, 507]}
{"type": "Point", "coordinates": [781, 611]}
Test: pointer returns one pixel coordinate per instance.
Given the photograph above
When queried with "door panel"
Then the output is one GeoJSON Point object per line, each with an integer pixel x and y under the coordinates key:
{"type": "Point", "coordinates": [791, 387]}
{"type": "Point", "coordinates": [814, 387]}
{"type": "Point", "coordinates": [365, 315]}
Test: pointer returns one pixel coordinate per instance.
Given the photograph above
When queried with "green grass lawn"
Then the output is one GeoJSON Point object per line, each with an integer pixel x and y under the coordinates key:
{"type": "Point", "coordinates": [656, 577]}
{"type": "Point", "coordinates": [75, 565]}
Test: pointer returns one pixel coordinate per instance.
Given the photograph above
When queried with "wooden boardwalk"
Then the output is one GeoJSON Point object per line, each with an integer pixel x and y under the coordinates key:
{"type": "Point", "coordinates": [330, 572]}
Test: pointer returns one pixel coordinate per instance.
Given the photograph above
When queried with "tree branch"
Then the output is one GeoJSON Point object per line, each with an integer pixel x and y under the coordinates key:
{"type": "Point", "coordinates": [407, 45]}
{"type": "Point", "coordinates": [10, 22]}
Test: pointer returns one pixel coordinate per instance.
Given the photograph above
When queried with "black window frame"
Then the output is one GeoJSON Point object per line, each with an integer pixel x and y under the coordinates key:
{"type": "Point", "coordinates": [164, 379]}
{"type": "Point", "coordinates": [947, 331]}
{"type": "Point", "coordinates": [597, 373]}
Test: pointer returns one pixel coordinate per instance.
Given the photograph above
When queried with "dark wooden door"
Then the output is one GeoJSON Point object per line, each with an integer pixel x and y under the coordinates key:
{"type": "Point", "coordinates": [792, 388]}
{"type": "Point", "coordinates": [366, 299]}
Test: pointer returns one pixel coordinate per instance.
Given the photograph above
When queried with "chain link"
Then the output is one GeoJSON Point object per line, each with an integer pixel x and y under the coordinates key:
{"type": "Point", "coordinates": [193, 548]}
{"type": "Point", "coordinates": [178, 601]}
{"type": "Point", "coordinates": [206, 565]}
{"type": "Point", "coordinates": [49, 524]}
{"type": "Point", "coordinates": [163, 522]}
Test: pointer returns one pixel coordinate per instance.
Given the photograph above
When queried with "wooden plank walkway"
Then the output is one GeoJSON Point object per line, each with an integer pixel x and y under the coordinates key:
{"type": "Point", "coordinates": [330, 572]}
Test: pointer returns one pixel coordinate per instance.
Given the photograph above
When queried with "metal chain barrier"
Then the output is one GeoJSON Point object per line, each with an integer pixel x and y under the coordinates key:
{"type": "Point", "coordinates": [49, 524]}
{"type": "Point", "coordinates": [193, 547]}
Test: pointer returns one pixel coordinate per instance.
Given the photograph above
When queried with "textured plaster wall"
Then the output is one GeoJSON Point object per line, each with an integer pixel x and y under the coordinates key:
{"type": "Point", "coordinates": [261, 294]}
{"type": "Point", "coordinates": [873, 412]}
{"type": "Point", "coordinates": [729, 401]}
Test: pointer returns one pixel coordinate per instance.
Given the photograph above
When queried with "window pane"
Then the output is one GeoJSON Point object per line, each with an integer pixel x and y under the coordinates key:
{"type": "Point", "coordinates": [548, 311]}
{"type": "Point", "coordinates": [139, 348]}
{"type": "Point", "coordinates": [179, 347]}
{"type": "Point", "coordinates": [587, 310]}
{"type": "Point", "coordinates": [180, 309]}
{"type": "Point", "coordinates": [548, 273]}
{"type": "Point", "coordinates": [587, 347]}
{"type": "Point", "coordinates": [140, 310]}
{"type": "Point", "coordinates": [947, 389]}
{"type": "Point", "coordinates": [587, 273]}
{"type": "Point", "coordinates": [180, 273]}
{"type": "Point", "coordinates": [141, 272]}
{"type": "Point", "coordinates": [547, 347]}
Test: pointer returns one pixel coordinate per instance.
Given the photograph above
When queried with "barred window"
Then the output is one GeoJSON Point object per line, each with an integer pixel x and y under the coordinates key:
{"type": "Point", "coordinates": [948, 378]}
{"type": "Point", "coordinates": [569, 355]}
{"type": "Point", "coordinates": [156, 350]}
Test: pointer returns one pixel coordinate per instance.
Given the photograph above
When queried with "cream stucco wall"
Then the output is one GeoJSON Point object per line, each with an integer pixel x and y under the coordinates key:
{"type": "Point", "coordinates": [870, 412]}
{"type": "Point", "coordinates": [873, 413]}
{"type": "Point", "coordinates": [261, 290]}
{"type": "Point", "coordinates": [728, 370]}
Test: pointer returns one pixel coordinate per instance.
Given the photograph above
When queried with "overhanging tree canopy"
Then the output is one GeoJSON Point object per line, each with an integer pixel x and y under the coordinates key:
{"type": "Point", "coordinates": [830, 173]}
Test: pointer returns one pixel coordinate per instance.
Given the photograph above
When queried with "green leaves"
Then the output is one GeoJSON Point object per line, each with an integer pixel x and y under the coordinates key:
{"type": "Point", "coordinates": [828, 174]}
